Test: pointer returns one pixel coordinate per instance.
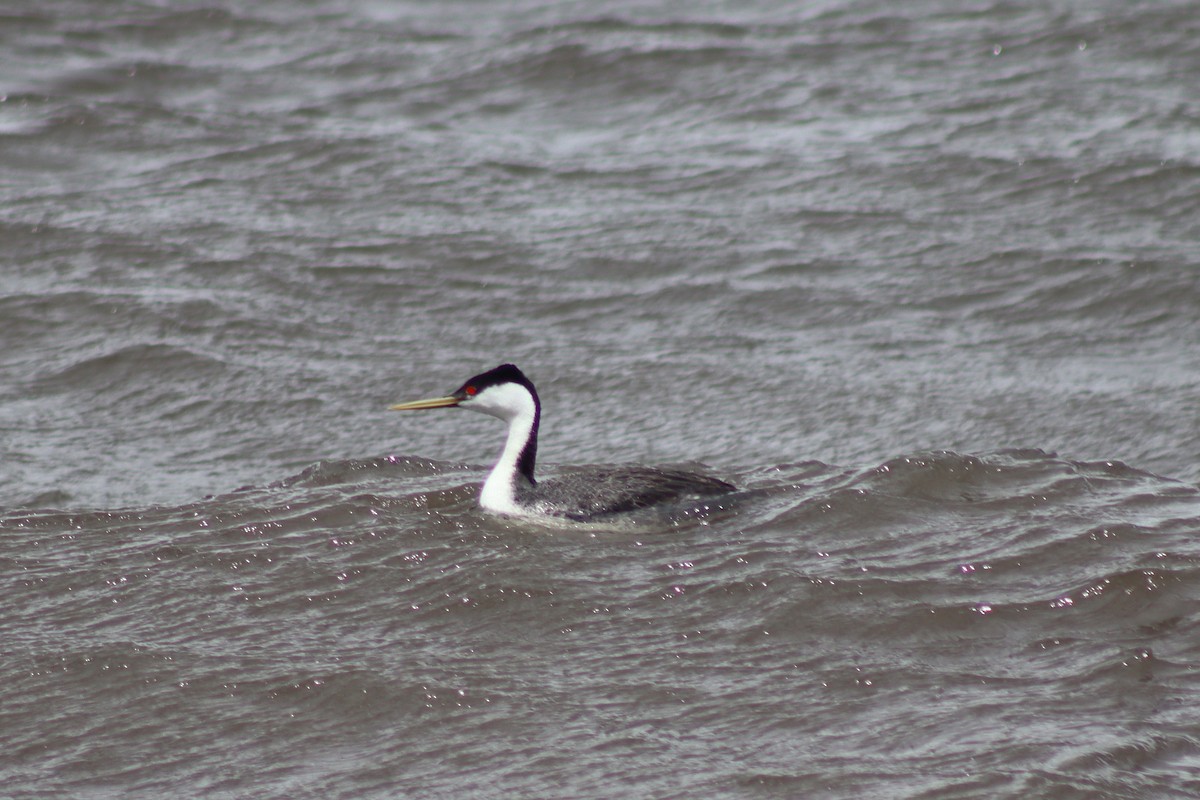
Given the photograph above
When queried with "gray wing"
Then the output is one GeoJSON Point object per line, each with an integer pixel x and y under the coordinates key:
{"type": "Point", "coordinates": [613, 490]}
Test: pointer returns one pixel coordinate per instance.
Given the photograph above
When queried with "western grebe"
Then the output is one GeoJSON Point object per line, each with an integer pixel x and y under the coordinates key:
{"type": "Point", "coordinates": [510, 488]}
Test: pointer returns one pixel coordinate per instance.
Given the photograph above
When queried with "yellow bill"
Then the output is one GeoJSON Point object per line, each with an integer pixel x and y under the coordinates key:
{"type": "Point", "coordinates": [433, 402]}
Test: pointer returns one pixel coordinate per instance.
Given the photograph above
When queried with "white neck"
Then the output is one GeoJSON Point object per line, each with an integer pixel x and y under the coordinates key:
{"type": "Point", "coordinates": [514, 405]}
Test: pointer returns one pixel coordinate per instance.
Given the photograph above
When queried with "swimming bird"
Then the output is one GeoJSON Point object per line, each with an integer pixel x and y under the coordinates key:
{"type": "Point", "coordinates": [598, 492]}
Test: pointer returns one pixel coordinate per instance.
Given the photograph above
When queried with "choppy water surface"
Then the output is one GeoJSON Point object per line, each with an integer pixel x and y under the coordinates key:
{"type": "Point", "coordinates": [920, 279]}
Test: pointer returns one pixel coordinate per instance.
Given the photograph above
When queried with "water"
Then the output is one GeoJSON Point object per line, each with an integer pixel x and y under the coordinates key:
{"type": "Point", "coordinates": [920, 279]}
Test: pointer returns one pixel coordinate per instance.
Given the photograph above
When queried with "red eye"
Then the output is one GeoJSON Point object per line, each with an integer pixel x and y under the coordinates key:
{"type": "Point", "coordinates": [471, 391]}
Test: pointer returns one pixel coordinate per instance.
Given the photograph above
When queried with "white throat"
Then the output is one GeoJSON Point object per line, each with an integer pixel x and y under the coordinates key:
{"type": "Point", "coordinates": [513, 404]}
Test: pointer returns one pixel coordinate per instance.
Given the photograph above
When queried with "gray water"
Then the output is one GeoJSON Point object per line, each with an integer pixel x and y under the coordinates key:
{"type": "Point", "coordinates": [920, 278]}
